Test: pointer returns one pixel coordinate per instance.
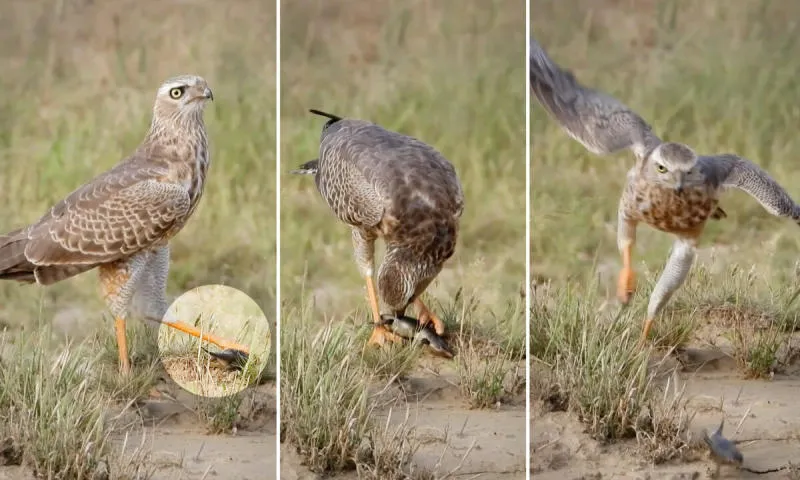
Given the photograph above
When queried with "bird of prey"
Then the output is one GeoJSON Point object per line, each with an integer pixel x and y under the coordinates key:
{"type": "Point", "coordinates": [671, 188]}
{"type": "Point", "coordinates": [385, 184]}
{"type": "Point", "coordinates": [121, 221]}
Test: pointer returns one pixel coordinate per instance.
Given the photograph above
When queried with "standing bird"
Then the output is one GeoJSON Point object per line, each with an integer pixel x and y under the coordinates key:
{"type": "Point", "coordinates": [122, 220]}
{"type": "Point", "coordinates": [385, 184]}
{"type": "Point", "coordinates": [670, 188]}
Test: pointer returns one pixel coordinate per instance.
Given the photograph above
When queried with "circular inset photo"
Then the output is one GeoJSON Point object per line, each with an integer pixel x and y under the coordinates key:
{"type": "Point", "coordinates": [217, 342]}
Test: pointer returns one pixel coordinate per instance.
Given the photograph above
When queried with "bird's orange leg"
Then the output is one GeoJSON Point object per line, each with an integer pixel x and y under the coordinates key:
{"type": "Point", "coordinates": [207, 337]}
{"type": "Point", "coordinates": [626, 283]}
{"type": "Point", "coordinates": [122, 346]}
{"type": "Point", "coordinates": [113, 277]}
{"type": "Point", "coordinates": [372, 296]}
{"type": "Point", "coordinates": [645, 331]}
{"type": "Point", "coordinates": [380, 334]}
{"type": "Point", "coordinates": [425, 316]}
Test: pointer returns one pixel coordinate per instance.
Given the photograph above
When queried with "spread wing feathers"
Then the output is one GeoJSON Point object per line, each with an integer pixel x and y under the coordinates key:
{"type": "Point", "coordinates": [384, 169]}
{"type": "Point", "coordinates": [598, 121]}
{"type": "Point", "coordinates": [733, 171]}
{"type": "Point", "coordinates": [119, 213]}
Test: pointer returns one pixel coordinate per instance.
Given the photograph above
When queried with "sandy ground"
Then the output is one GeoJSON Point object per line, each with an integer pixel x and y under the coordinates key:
{"type": "Point", "coordinates": [470, 443]}
{"type": "Point", "coordinates": [181, 448]}
{"type": "Point", "coordinates": [769, 435]}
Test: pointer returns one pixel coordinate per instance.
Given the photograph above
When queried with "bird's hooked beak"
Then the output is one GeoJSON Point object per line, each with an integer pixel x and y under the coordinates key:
{"type": "Point", "coordinates": [681, 179]}
{"type": "Point", "coordinates": [207, 93]}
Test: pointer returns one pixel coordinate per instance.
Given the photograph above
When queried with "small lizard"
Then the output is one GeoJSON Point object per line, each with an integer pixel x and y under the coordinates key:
{"type": "Point", "coordinates": [410, 328]}
{"type": "Point", "coordinates": [723, 451]}
{"type": "Point", "coordinates": [230, 358]}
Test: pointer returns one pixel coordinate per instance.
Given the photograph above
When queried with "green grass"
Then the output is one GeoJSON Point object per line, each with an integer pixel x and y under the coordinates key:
{"type": "Point", "coordinates": [718, 76]}
{"type": "Point", "coordinates": [79, 83]}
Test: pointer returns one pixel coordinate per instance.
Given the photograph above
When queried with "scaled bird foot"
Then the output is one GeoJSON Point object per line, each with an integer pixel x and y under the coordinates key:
{"type": "Point", "coordinates": [124, 364]}
{"type": "Point", "coordinates": [381, 335]}
{"type": "Point", "coordinates": [626, 285]}
{"type": "Point", "coordinates": [426, 316]}
{"type": "Point", "coordinates": [645, 332]}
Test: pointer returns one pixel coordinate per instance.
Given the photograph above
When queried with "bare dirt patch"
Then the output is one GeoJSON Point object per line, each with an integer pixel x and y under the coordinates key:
{"type": "Point", "coordinates": [180, 446]}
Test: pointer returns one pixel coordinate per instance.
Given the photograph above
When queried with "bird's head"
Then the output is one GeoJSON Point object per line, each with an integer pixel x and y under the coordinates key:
{"type": "Point", "coordinates": [674, 165]}
{"type": "Point", "coordinates": [182, 96]}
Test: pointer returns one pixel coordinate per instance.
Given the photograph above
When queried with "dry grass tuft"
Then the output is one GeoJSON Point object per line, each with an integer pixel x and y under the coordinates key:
{"type": "Point", "coordinates": [326, 408]}
{"type": "Point", "coordinates": [594, 369]}
{"type": "Point", "coordinates": [53, 419]}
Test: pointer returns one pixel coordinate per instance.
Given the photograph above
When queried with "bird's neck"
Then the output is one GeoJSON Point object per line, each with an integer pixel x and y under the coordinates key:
{"type": "Point", "coordinates": [184, 138]}
{"type": "Point", "coordinates": [188, 125]}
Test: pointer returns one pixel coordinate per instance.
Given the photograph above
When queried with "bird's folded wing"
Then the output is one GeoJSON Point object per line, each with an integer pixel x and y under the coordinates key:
{"type": "Point", "coordinates": [598, 121]}
{"type": "Point", "coordinates": [729, 170]}
{"type": "Point", "coordinates": [110, 218]}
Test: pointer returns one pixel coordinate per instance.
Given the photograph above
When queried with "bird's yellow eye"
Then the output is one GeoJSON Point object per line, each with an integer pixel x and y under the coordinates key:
{"type": "Point", "coordinates": [661, 168]}
{"type": "Point", "coordinates": [176, 93]}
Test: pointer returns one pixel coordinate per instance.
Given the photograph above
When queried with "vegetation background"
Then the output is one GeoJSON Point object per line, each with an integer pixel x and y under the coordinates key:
{"type": "Point", "coordinates": [78, 84]}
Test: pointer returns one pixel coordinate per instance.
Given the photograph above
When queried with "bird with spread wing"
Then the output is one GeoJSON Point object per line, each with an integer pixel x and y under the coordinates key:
{"type": "Point", "coordinates": [671, 187]}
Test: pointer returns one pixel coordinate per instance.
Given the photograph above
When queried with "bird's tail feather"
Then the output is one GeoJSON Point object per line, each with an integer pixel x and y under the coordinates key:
{"type": "Point", "coordinates": [333, 117]}
{"type": "Point", "coordinates": [13, 263]}
{"type": "Point", "coordinates": [308, 168]}
{"type": "Point", "coordinates": [52, 274]}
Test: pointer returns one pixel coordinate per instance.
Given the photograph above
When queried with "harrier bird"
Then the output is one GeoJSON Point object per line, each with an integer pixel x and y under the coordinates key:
{"type": "Point", "coordinates": [671, 188]}
{"type": "Point", "coordinates": [121, 222]}
{"type": "Point", "coordinates": [385, 184]}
